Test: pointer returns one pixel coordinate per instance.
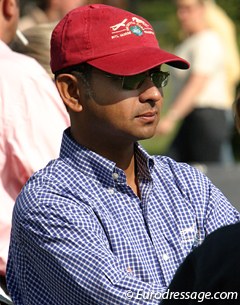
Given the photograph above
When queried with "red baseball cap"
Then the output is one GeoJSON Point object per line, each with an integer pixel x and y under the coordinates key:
{"type": "Point", "coordinates": [110, 39]}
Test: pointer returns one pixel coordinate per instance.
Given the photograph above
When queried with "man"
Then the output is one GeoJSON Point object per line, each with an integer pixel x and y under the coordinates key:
{"type": "Point", "coordinates": [32, 118]}
{"type": "Point", "coordinates": [106, 223]}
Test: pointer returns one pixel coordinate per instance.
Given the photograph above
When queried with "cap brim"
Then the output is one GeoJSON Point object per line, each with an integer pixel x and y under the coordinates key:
{"type": "Point", "coordinates": [137, 60]}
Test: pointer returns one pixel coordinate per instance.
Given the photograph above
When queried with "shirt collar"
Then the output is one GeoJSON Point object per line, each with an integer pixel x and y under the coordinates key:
{"type": "Point", "coordinates": [97, 167]}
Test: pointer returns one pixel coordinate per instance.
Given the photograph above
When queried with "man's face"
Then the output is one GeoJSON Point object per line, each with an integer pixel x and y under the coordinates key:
{"type": "Point", "coordinates": [119, 114]}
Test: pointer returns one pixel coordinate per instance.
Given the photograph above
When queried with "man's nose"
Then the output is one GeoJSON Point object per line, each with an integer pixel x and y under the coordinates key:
{"type": "Point", "coordinates": [150, 92]}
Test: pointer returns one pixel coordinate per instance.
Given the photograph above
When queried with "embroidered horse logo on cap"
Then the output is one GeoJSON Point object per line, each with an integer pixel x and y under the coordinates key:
{"type": "Point", "coordinates": [134, 26]}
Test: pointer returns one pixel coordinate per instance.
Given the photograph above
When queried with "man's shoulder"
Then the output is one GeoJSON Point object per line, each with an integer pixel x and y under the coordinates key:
{"type": "Point", "coordinates": [181, 175]}
{"type": "Point", "coordinates": [54, 174]}
{"type": "Point", "coordinates": [56, 179]}
{"type": "Point", "coordinates": [25, 74]}
{"type": "Point", "coordinates": [45, 185]}
{"type": "Point", "coordinates": [14, 62]}
{"type": "Point", "coordinates": [168, 164]}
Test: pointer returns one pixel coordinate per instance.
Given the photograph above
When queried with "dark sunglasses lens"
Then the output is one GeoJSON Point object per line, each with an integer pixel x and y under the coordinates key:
{"type": "Point", "coordinates": [160, 79]}
{"type": "Point", "coordinates": [134, 81]}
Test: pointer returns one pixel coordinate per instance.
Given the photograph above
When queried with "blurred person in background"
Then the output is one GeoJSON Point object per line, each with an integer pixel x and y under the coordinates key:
{"type": "Point", "coordinates": [201, 98]}
{"type": "Point", "coordinates": [45, 11]}
{"type": "Point", "coordinates": [38, 45]}
{"type": "Point", "coordinates": [32, 120]}
{"type": "Point", "coordinates": [220, 22]}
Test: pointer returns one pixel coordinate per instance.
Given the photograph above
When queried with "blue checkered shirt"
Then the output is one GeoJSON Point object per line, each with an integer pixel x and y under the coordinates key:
{"type": "Point", "coordinates": [81, 236]}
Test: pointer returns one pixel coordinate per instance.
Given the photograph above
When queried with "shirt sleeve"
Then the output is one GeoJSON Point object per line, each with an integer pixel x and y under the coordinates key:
{"type": "Point", "coordinates": [220, 212]}
{"type": "Point", "coordinates": [213, 209]}
{"type": "Point", "coordinates": [65, 258]}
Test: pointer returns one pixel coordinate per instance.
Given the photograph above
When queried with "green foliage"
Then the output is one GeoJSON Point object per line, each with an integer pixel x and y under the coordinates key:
{"type": "Point", "coordinates": [161, 14]}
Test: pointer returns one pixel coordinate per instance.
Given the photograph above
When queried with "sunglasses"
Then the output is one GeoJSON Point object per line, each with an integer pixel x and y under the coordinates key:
{"type": "Point", "coordinates": [133, 82]}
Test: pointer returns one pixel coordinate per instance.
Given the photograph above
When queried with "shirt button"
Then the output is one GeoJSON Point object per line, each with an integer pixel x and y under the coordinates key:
{"type": "Point", "coordinates": [111, 190]}
{"type": "Point", "coordinates": [165, 257]}
{"type": "Point", "coordinates": [115, 176]}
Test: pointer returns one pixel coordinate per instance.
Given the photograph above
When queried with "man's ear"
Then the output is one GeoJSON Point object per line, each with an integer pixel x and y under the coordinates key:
{"type": "Point", "coordinates": [68, 88]}
{"type": "Point", "coordinates": [9, 8]}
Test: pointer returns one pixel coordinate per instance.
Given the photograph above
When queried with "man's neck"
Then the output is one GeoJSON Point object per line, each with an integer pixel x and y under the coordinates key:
{"type": "Point", "coordinates": [131, 176]}
{"type": "Point", "coordinates": [124, 159]}
{"type": "Point", "coordinates": [120, 153]}
{"type": "Point", "coordinates": [127, 162]}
